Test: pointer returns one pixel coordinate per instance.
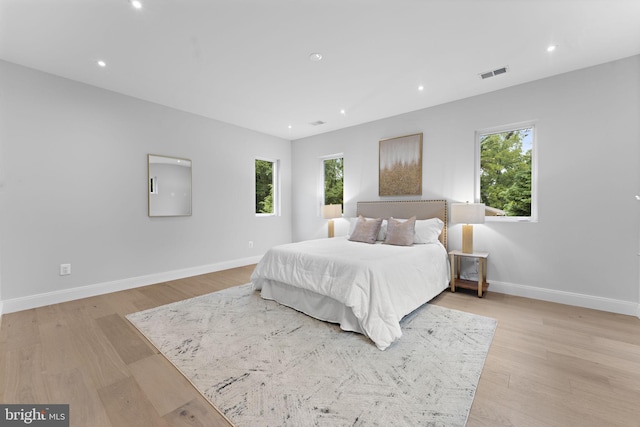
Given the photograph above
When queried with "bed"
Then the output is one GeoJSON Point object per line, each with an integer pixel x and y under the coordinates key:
{"type": "Point", "coordinates": [365, 288]}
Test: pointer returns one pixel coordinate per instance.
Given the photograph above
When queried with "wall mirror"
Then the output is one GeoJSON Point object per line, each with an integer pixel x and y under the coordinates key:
{"type": "Point", "coordinates": [169, 186]}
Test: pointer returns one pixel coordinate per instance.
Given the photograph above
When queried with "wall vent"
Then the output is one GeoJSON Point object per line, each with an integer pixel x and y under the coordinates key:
{"type": "Point", "coordinates": [493, 73]}
{"type": "Point", "coordinates": [317, 123]}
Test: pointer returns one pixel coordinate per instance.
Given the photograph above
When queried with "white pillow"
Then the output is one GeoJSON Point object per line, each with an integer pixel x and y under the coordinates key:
{"type": "Point", "coordinates": [428, 230]}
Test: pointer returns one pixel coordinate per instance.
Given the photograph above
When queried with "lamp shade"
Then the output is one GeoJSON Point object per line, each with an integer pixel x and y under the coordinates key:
{"type": "Point", "coordinates": [331, 211]}
{"type": "Point", "coordinates": [467, 213]}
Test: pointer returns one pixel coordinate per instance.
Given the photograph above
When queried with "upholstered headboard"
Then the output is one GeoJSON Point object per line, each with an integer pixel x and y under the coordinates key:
{"type": "Point", "coordinates": [421, 209]}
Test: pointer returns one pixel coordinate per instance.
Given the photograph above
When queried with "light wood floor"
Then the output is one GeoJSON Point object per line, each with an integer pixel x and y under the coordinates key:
{"type": "Point", "coordinates": [549, 364]}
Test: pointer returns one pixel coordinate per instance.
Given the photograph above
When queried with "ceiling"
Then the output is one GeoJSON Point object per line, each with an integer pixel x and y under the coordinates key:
{"type": "Point", "coordinates": [246, 62]}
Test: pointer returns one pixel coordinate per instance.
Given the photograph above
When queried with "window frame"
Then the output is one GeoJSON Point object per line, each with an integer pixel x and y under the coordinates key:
{"type": "Point", "coordinates": [275, 175]}
{"type": "Point", "coordinates": [321, 187]}
{"type": "Point", "coordinates": [534, 169]}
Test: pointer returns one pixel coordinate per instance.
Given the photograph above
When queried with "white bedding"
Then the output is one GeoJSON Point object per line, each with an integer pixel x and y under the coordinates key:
{"type": "Point", "coordinates": [379, 283]}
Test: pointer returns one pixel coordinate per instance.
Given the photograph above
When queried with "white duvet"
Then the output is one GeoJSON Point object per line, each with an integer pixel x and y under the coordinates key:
{"type": "Point", "coordinates": [379, 283]}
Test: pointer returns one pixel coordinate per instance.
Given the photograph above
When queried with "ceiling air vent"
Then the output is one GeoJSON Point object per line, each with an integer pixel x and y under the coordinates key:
{"type": "Point", "coordinates": [493, 73]}
{"type": "Point", "coordinates": [317, 123]}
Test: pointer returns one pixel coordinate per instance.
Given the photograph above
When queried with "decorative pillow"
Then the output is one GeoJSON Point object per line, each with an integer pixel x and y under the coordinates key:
{"type": "Point", "coordinates": [400, 233]}
{"type": "Point", "coordinates": [428, 230]}
{"type": "Point", "coordinates": [381, 234]}
{"type": "Point", "coordinates": [366, 230]}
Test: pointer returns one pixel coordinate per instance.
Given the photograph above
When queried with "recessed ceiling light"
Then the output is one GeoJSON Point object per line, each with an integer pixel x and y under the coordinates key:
{"type": "Point", "coordinates": [343, 112]}
{"type": "Point", "coordinates": [102, 64]}
{"type": "Point", "coordinates": [552, 47]}
{"type": "Point", "coordinates": [420, 88]}
{"type": "Point", "coordinates": [290, 126]}
{"type": "Point", "coordinates": [315, 57]}
{"type": "Point", "coordinates": [137, 4]}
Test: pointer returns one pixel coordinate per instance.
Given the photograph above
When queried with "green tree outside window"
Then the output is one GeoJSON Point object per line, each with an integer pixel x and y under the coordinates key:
{"type": "Point", "coordinates": [264, 186]}
{"type": "Point", "coordinates": [334, 181]}
{"type": "Point", "coordinates": [505, 171]}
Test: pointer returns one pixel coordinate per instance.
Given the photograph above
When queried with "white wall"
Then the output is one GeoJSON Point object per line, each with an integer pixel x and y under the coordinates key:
{"type": "Point", "coordinates": [584, 248]}
{"type": "Point", "coordinates": [73, 189]}
{"type": "Point", "coordinates": [73, 186]}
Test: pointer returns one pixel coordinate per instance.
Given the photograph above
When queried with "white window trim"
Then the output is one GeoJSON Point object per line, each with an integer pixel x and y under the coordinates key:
{"type": "Point", "coordinates": [276, 187]}
{"type": "Point", "coordinates": [321, 180]}
{"type": "Point", "coordinates": [534, 170]}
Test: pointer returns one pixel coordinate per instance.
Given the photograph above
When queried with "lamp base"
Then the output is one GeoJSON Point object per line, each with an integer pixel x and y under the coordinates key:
{"type": "Point", "coordinates": [467, 238]}
{"type": "Point", "coordinates": [330, 226]}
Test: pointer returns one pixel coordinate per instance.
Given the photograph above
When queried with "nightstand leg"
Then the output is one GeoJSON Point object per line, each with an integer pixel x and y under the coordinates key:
{"type": "Point", "coordinates": [481, 268]}
{"type": "Point", "coordinates": [484, 277]}
{"type": "Point", "coordinates": [452, 267]}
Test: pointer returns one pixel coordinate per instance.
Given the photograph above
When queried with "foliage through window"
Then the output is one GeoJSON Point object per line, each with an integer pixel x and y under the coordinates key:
{"type": "Point", "coordinates": [506, 172]}
{"type": "Point", "coordinates": [266, 187]}
{"type": "Point", "coordinates": [334, 181]}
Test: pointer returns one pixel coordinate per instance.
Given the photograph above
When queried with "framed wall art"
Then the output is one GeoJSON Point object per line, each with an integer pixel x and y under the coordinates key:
{"type": "Point", "coordinates": [400, 169]}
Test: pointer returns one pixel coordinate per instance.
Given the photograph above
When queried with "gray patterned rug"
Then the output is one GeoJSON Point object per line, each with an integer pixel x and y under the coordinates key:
{"type": "Point", "coordinates": [263, 364]}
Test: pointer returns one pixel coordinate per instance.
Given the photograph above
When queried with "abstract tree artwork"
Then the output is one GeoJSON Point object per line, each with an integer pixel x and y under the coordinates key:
{"type": "Point", "coordinates": [400, 172]}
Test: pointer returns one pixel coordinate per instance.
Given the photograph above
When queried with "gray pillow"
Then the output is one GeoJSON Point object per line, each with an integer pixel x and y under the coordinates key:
{"type": "Point", "coordinates": [366, 230]}
{"type": "Point", "coordinates": [400, 233]}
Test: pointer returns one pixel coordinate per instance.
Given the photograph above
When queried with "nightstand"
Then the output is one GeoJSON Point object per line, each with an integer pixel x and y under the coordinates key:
{"type": "Point", "coordinates": [481, 285]}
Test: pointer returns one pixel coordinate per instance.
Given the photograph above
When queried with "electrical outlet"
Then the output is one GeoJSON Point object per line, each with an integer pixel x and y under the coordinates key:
{"type": "Point", "coordinates": [65, 269]}
{"type": "Point", "coordinates": [250, 244]}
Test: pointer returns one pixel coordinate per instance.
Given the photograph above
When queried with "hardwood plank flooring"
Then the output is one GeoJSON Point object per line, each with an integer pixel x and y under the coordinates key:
{"type": "Point", "coordinates": [554, 365]}
{"type": "Point", "coordinates": [549, 364]}
{"type": "Point", "coordinates": [145, 372]}
{"type": "Point", "coordinates": [125, 341]}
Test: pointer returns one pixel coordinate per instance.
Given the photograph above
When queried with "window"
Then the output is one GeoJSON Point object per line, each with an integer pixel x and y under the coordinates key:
{"type": "Point", "coordinates": [267, 187]}
{"type": "Point", "coordinates": [333, 181]}
{"type": "Point", "coordinates": [506, 178]}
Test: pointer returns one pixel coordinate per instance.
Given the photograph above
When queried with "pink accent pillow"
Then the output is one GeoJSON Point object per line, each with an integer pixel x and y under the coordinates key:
{"type": "Point", "coordinates": [400, 233]}
{"type": "Point", "coordinates": [366, 230]}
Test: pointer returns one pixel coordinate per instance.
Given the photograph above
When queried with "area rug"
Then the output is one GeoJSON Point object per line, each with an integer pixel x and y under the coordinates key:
{"type": "Point", "coordinates": [263, 364]}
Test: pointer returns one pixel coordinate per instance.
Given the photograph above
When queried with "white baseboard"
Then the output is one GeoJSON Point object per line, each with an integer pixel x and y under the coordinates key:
{"type": "Point", "coordinates": [569, 298]}
{"type": "Point", "coordinates": [39, 300]}
{"type": "Point", "coordinates": [64, 295]}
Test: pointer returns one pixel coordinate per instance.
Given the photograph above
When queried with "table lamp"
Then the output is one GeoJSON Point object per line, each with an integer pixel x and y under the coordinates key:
{"type": "Point", "coordinates": [467, 214]}
{"type": "Point", "coordinates": [330, 212]}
